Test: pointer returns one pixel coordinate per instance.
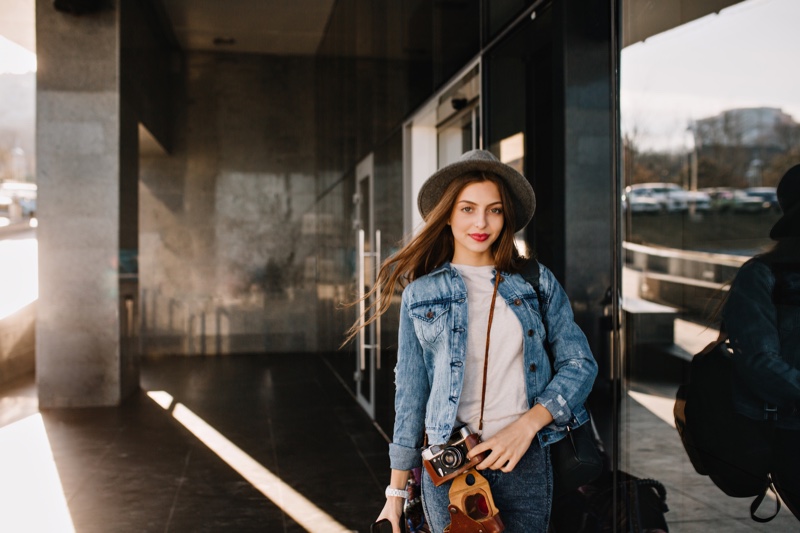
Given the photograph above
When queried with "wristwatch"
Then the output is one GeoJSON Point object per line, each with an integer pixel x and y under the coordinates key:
{"type": "Point", "coordinates": [397, 493]}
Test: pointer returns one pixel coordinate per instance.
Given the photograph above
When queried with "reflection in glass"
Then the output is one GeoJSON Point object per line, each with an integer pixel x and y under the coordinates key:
{"type": "Point", "coordinates": [457, 118]}
{"type": "Point", "coordinates": [710, 122]}
{"type": "Point", "coordinates": [512, 153]}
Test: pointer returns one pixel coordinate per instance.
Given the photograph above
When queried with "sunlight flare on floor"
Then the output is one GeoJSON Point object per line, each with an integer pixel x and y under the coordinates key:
{"type": "Point", "coordinates": [31, 495]}
{"type": "Point", "coordinates": [293, 503]}
{"type": "Point", "coordinates": [659, 406]}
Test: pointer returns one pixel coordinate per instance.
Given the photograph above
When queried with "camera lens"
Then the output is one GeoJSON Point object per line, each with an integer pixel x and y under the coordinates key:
{"type": "Point", "coordinates": [452, 458]}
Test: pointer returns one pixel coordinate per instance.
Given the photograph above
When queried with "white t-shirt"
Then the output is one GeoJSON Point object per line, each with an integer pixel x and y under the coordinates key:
{"type": "Point", "coordinates": [506, 398]}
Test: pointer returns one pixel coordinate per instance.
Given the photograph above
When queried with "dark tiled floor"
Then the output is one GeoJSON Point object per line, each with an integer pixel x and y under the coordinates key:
{"type": "Point", "coordinates": [135, 468]}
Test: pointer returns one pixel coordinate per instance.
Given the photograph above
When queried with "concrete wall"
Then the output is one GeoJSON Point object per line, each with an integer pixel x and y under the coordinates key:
{"type": "Point", "coordinates": [100, 75]}
{"type": "Point", "coordinates": [228, 227]}
{"type": "Point", "coordinates": [78, 168]}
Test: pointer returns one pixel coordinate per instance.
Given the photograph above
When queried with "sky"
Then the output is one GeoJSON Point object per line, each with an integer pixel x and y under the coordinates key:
{"type": "Point", "coordinates": [745, 56]}
{"type": "Point", "coordinates": [15, 59]}
{"type": "Point", "coordinates": [17, 36]}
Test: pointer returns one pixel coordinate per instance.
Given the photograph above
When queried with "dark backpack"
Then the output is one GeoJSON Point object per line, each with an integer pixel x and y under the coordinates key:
{"type": "Point", "coordinates": [732, 450]}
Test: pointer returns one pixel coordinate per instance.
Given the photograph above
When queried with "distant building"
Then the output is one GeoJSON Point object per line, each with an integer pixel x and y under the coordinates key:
{"type": "Point", "coordinates": [757, 126]}
{"type": "Point", "coordinates": [741, 142]}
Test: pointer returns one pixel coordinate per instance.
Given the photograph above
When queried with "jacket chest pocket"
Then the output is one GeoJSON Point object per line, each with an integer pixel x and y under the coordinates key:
{"type": "Point", "coordinates": [430, 319]}
{"type": "Point", "coordinates": [531, 302]}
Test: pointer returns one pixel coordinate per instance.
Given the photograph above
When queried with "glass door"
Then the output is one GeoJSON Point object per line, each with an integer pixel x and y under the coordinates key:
{"type": "Point", "coordinates": [368, 251]}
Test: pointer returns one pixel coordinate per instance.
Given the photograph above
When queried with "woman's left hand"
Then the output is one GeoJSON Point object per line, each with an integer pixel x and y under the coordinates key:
{"type": "Point", "coordinates": [510, 443]}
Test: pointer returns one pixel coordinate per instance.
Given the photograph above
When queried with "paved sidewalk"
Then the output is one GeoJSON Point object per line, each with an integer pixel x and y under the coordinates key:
{"type": "Point", "coordinates": [652, 449]}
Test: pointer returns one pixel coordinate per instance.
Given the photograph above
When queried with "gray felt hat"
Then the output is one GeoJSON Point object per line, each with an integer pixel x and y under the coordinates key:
{"type": "Point", "coordinates": [789, 199]}
{"type": "Point", "coordinates": [519, 188]}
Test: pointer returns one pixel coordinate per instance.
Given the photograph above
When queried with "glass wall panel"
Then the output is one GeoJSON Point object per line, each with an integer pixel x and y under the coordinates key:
{"type": "Point", "coordinates": [500, 13]}
{"type": "Point", "coordinates": [519, 98]}
{"type": "Point", "coordinates": [374, 65]}
{"type": "Point", "coordinates": [456, 37]}
{"type": "Point", "coordinates": [710, 121]}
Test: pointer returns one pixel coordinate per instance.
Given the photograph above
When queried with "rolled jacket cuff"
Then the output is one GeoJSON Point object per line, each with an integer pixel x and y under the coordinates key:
{"type": "Point", "coordinates": [403, 457]}
{"type": "Point", "coordinates": [558, 407]}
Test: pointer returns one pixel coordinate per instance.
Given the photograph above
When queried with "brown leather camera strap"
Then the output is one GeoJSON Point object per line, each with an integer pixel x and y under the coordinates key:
{"type": "Point", "coordinates": [498, 278]}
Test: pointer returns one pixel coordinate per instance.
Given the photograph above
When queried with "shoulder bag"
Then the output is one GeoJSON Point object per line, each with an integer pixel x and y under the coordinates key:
{"type": "Point", "coordinates": [576, 458]}
{"type": "Point", "coordinates": [731, 449]}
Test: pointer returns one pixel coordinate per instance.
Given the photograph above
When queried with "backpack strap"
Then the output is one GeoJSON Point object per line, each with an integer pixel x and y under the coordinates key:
{"type": "Point", "coordinates": [531, 274]}
{"type": "Point", "coordinates": [760, 498]}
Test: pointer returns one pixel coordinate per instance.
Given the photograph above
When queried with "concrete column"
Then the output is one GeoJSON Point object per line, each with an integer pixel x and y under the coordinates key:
{"type": "Point", "coordinates": [78, 361]}
{"type": "Point", "coordinates": [584, 52]}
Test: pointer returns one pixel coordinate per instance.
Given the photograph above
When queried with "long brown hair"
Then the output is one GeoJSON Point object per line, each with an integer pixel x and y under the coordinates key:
{"type": "Point", "coordinates": [434, 245]}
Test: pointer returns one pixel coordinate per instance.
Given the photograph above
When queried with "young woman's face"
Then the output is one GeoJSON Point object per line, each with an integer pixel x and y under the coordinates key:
{"type": "Point", "coordinates": [476, 222]}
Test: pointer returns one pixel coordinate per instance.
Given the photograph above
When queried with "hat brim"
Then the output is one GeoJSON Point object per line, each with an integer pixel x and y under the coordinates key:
{"type": "Point", "coordinates": [788, 225]}
{"type": "Point", "coordinates": [519, 188]}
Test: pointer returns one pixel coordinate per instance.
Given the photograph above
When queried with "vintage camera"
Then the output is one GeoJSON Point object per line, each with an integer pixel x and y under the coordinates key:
{"type": "Point", "coordinates": [443, 462]}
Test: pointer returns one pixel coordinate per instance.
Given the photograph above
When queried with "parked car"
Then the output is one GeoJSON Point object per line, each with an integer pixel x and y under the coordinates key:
{"type": "Point", "coordinates": [721, 197]}
{"type": "Point", "coordinates": [701, 201]}
{"type": "Point", "coordinates": [683, 200]}
{"type": "Point", "coordinates": [767, 195]}
{"type": "Point", "coordinates": [671, 196]}
{"type": "Point", "coordinates": [640, 201]}
{"type": "Point", "coordinates": [748, 203]}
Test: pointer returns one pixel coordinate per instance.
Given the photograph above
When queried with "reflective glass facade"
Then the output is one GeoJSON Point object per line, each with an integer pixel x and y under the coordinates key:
{"type": "Point", "coordinates": [709, 124]}
{"type": "Point", "coordinates": [653, 134]}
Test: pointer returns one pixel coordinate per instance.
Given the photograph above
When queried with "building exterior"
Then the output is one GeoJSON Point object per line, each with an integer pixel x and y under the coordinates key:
{"type": "Point", "coordinates": [198, 197]}
{"type": "Point", "coordinates": [239, 178]}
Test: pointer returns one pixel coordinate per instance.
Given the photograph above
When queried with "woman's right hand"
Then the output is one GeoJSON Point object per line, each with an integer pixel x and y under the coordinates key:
{"type": "Point", "coordinates": [393, 511]}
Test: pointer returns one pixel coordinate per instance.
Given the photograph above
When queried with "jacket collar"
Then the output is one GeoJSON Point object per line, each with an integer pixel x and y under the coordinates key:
{"type": "Point", "coordinates": [443, 268]}
{"type": "Point", "coordinates": [448, 267]}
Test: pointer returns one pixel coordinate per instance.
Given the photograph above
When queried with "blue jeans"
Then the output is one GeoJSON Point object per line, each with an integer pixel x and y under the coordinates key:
{"type": "Point", "coordinates": [523, 496]}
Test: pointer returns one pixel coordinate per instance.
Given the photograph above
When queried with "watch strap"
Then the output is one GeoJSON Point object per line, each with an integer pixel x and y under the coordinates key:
{"type": "Point", "coordinates": [397, 493]}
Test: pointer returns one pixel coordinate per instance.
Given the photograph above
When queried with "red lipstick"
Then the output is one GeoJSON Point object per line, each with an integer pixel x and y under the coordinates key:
{"type": "Point", "coordinates": [480, 237]}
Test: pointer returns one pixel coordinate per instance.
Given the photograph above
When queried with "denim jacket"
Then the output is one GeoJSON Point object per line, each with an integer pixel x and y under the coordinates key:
{"type": "Point", "coordinates": [762, 319]}
{"type": "Point", "coordinates": [432, 348]}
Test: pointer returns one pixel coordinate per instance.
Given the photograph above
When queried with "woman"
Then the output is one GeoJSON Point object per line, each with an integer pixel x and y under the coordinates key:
{"type": "Point", "coordinates": [472, 208]}
{"type": "Point", "coordinates": [762, 318]}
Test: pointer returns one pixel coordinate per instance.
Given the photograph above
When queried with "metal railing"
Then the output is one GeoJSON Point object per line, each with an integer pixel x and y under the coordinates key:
{"type": "Point", "coordinates": [689, 280]}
